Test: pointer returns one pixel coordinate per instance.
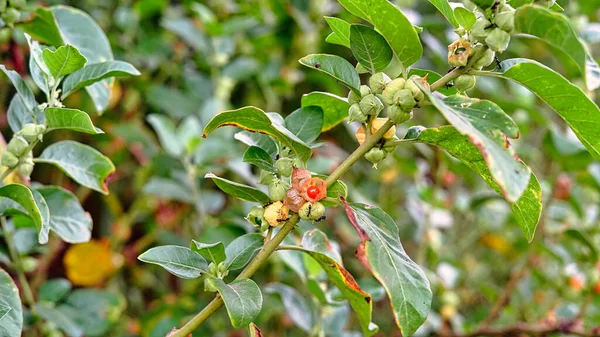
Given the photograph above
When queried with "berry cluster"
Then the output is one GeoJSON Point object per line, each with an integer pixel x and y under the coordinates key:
{"type": "Point", "coordinates": [18, 152]}
{"type": "Point", "coordinates": [10, 11]}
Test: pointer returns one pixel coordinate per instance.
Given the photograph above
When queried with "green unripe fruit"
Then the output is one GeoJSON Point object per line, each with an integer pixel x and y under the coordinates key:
{"type": "Point", "coordinates": [255, 216]}
{"type": "Point", "coordinates": [353, 98]}
{"type": "Point", "coordinates": [9, 159]}
{"type": "Point", "coordinates": [416, 92]}
{"type": "Point", "coordinates": [284, 166]}
{"type": "Point", "coordinates": [25, 169]}
{"type": "Point", "coordinates": [266, 177]}
{"type": "Point", "coordinates": [375, 155]}
{"type": "Point", "coordinates": [17, 145]}
{"type": "Point", "coordinates": [5, 35]}
{"type": "Point", "coordinates": [310, 211]}
{"type": "Point", "coordinates": [481, 29]}
{"type": "Point", "coordinates": [404, 98]}
{"type": "Point", "coordinates": [505, 20]}
{"type": "Point", "coordinates": [391, 89]}
{"type": "Point", "coordinates": [364, 91]}
{"type": "Point", "coordinates": [11, 16]}
{"type": "Point", "coordinates": [371, 105]}
{"type": "Point", "coordinates": [29, 264]}
{"type": "Point", "coordinates": [398, 115]}
{"type": "Point", "coordinates": [378, 82]}
{"type": "Point", "coordinates": [464, 82]}
{"type": "Point", "coordinates": [29, 132]}
{"type": "Point", "coordinates": [19, 4]}
{"type": "Point", "coordinates": [355, 114]}
{"type": "Point", "coordinates": [277, 190]}
{"type": "Point", "coordinates": [460, 31]}
{"type": "Point", "coordinates": [498, 40]}
{"type": "Point", "coordinates": [486, 59]}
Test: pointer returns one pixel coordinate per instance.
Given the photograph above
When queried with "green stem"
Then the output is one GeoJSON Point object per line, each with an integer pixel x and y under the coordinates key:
{"type": "Point", "coordinates": [14, 255]}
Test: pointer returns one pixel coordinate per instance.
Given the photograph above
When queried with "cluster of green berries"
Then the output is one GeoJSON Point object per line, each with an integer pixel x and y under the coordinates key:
{"type": "Point", "coordinates": [10, 11]}
{"type": "Point", "coordinates": [18, 151]}
{"type": "Point", "coordinates": [216, 270]}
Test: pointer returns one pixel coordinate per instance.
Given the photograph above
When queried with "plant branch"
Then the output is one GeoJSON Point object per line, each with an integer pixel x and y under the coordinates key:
{"type": "Point", "coordinates": [14, 255]}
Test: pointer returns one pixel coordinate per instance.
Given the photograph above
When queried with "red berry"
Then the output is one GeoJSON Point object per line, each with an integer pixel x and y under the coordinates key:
{"type": "Point", "coordinates": [313, 192]}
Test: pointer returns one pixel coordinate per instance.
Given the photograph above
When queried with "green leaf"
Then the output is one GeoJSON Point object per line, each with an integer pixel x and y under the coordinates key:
{"type": "Point", "coordinates": [67, 217]}
{"type": "Point", "coordinates": [63, 61]}
{"type": "Point", "coordinates": [256, 120]}
{"type": "Point", "coordinates": [214, 252]}
{"type": "Point", "coordinates": [484, 3]}
{"type": "Point", "coordinates": [487, 126]}
{"type": "Point", "coordinates": [444, 7]}
{"type": "Point", "coordinates": [179, 261]}
{"type": "Point", "coordinates": [70, 119]}
{"type": "Point", "coordinates": [259, 157]}
{"type": "Point", "coordinates": [60, 319]}
{"type": "Point", "coordinates": [11, 311]}
{"type": "Point", "coordinates": [297, 307]}
{"type": "Point", "coordinates": [23, 91]}
{"type": "Point", "coordinates": [340, 31]}
{"type": "Point", "coordinates": [381, 252]}
{"type": "Point", "coordinates": [392, 24]}
{"type": "Point", "coordinates": [82, 163]}
{"type": "Point", "coordinates": [54, 290]}
{"type": "Point", "coordinates": [241, 250]}
{"type": "Point", "coordinates": [464, 17]}
{"type": "Point", "coordinates": [334, 66]}
{"type": "Point", "coordinates": [260, 140]}
{"type": "Point", "coordinates": [169, 189]}
{"type": "Point", "coordinates": [96, 72]}
{"type": "Point", "coordinates": [239, 191]}
{"type": "Point", "coordinates": [527, 209]}
{"type": "Point", "coordinates": [306, 123]}
{"type": "Point", "coordinates": [242, 298]}
{"type": "Point", "coordinates": [27, 199]}
{"type": "Point", "coordinates": [316, 244]}
{"type": "Point", "coordinates": [38, 69]}
{"type": "Point", "coordinates": [94, 310]}
{"type": "Point", "coordinates": [568, 100]}
{"type": "Point", "coordinates": [335, 108]}
{"type": "Point", "coordinates": [167, 134]}
{"type": "Point", "coordinates": [370, 48]}
{"type": "Point", "coordinates": [557, 30]}
{"type": "Point", "coordinates": [18, 114]}
{"type": "Point", "coordinates": [43, 27]}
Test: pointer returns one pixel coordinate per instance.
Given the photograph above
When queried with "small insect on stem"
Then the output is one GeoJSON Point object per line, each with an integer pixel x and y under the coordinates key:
{"type": "Point", "coordinates": [284, 220]}
{"type": "Point", "coordinates": [321, 219]}
{"type": "Point", "coordinates": [495, 5]}
{"type": "Point", "coordinates": [498, 63]}
{"type": "Point", "coordinates": [309, 210]}
{"type": "Point", "coordinates": [448, 85]}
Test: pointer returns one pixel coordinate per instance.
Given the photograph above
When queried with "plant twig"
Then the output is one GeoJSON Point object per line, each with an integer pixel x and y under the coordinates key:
{"type": "Point", "coordinates": [14, 255]}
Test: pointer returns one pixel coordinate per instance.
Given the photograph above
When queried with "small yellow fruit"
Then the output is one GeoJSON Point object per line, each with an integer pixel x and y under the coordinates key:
{"type": "Point", "coordinates": [378, 123]}
{"type": "Point", "coordinates": [276, 214]}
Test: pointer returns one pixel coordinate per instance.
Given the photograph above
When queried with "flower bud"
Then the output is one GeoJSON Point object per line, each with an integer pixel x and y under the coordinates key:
{"type": "Point", "coordinates": [11, 16]}
{"type": "Point", "coordinates": [371, 105]}
{"type": "Point", "coordinates": [276, 214]}
{"type": "Point", "coordinates": [255, 216]}
{"type": "Point", "coordinates": [209, 285]}
{"type": "Point", "coordinates": [29, 132]}
{"type": "Point", "coordinates": [378, 123]}
{"type": "Point", "coordinates": [213, 269]}
{"type": "Point", "coordinates": [498, 40]}
{"type": "Point", "coordinates": [460, 31]}
{"type": "Point", "coordinates": [284, 166]}
{"type": "Point", "coordinates": [277, 190]}
{"type": "Point", "coordinates": [375, 155]}
{"type": "Point", "coordinates": [505, 20]}
{"type": "Point", "coordinates": [464, 82]}
{"type": "Point", "coordinates": [398, 115]}
{"type": "Point", "coordinates": [391, 89]}
{"type": "Point", "coordinates": [9, 159]}
{"type": "Point", "coordinates": [378, 81]}
{"type": "Point", "coordinates": [459, 52]}
{"type": "Point", "coordinates": [405, 99]}
{"type": "Point", "coordinates": [481, 29]}
{"type": "Point", "coordinates": [486, 59]}
{"type": "Point", "coordinates": [17, 145]}
{"type": "Point", "coordinates": [416, 92]}
{"type": "Point", "coordinates": [222, 269]}
{"type": "Point", "coordinates": [25, 169]}
{"type": "Point", "coordinates": [355, 114]}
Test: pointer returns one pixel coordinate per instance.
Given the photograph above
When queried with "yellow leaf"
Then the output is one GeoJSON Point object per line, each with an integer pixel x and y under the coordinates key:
{"type": "Point", "coordinates": [89, 264]}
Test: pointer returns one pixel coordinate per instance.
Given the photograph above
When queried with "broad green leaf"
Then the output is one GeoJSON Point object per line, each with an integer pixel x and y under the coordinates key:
{"type": "Point", "coordinates": [70, 119]}
{"type": "Point", "coordinates": [82, 163]}
{"type": "Point", "coordinates": [179, 261]}
{"type": "Point", "coordinates": [444, 7]}
{"type": "Point", "coordinates": [67, 217]}
{"type": "Point", "coordinates": [41, 204]}
{"type": "Point", "coordinates": [487, 126]}
{"type": "Point", "coordinates": [254, 331]}
{"type": "Point", "coordinates": [557, 30]}
{"type": "Point", "coordinates": [260, 140]}
{"type": "Point", "coordinates": [242, 298]}
{"type": "Point", "coordinates": [432, 77]}
{"type": "Point", "coordinates": [26, 199]}
{"type": "Point", "coordinates": [382, 253]}
{"type": "Point", "coordinates": [18, 114]}
{"type": "Point", "coordinates": [239, 191]}
{"type": "Point", "coordinates": [306, 123]}
{"type": "Point", "coordinates": [316, 244]}
{"type": "Point", "coordinates": [256, 120]}
{"type": "Point", "coordinates": [334, 66]}
{"type": "Point", "coordinates": [63, 61]}
{"type": "Point", "coordinates": [241, 250]}
{"type": "Point", "coordinates": [43, 27]}
{"type": "Point", "coordinates": [297, 307]}
{"type": "Point", "coordinates": [335, 108]}
{"type": "Point", "coordinates": [11, 311]}
{"type": "Point", "coordinates": [259, 157]}
{"type": "Point", "coordinates": [95, 311]}
{"type": "Point", "coordinates": [23, 91]}
{"type": "Point", "coordinates": [464, 17]}
{"type": "Point", "coordinates": [54, 290]}
{"type": "Point", "coordinates": [60, 319]}
{"type": "Point", "coordinates": [527, 209]}
{"type": "Point", "coordinates": [167, 134]}
{"type": "Point", "coordinates": [214, 252]}
{"type": "Point", "coordinates": [568, 100]}
{"type": "Point", "coordinates": [38, 69]}
{"type": "Point", "coordinates": [96, 72]}
{"type": "Point", "coordinates": [392, 24]}
{"type": "Point", "coordinates": [370, 48]}
{"type": "Point", "coordinates": [340, 31]}
{"type": "Point", "coordinates": [169, 189]}
{"type": "Point", "coordinates": [484, 3]}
